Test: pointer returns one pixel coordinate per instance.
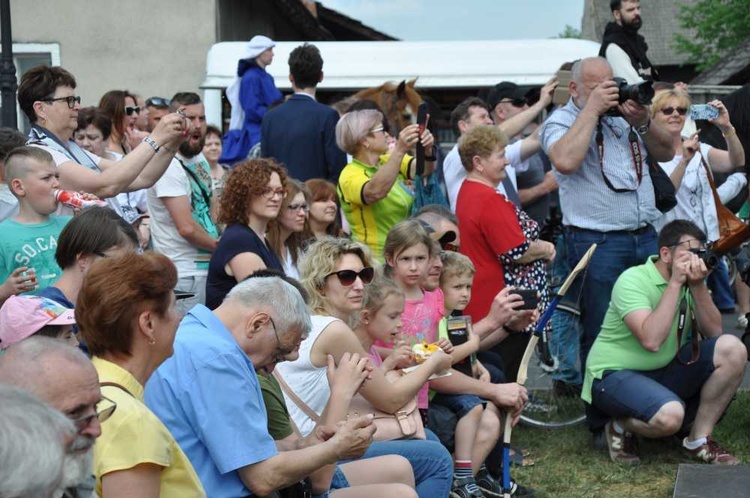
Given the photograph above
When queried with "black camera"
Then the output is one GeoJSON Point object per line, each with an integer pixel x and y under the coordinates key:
{"type": "Point", "coordinates": [642, 93]}
{"type": "Point", "coordinates": [709, 258]}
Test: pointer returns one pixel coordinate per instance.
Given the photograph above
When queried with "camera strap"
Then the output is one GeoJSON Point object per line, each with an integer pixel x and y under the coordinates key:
{"type": "Point", "coordinates": [635, 152]}
{"type": "Point", "coordinates": [695, 345]}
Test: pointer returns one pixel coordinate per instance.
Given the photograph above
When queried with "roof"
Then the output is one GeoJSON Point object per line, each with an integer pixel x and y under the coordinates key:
{"type": "Point", "coordinates": [660, 23]}
{"type": "Point", "coordinates": [453, 64]}
{"type": "Point", "coordinates": [345, 28]}
{"type": "Point", "coordinates": [731, 69]}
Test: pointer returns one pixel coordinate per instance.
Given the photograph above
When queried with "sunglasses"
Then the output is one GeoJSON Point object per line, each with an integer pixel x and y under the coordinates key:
{"type": "Point", "coordinates": [71, 101]}
{"type": "Point", "coordinates": [157, 102]}
{"type": "Point", "coordinates": [667, 111]}
{"type": "Point", "coordinates": [130, 110]}
{"type": "Point", "coordinates": [514, 102]}
{"type": "Point", "coordinates": [348, 277]}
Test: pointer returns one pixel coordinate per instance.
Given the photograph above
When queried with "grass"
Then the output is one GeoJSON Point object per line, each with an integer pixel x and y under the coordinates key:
{"type": "Point", "coordinates": [568, 466]}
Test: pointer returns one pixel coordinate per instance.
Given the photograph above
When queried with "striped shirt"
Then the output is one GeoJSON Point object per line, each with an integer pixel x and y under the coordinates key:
{"type": "Point", "coordinates": [585, 200]}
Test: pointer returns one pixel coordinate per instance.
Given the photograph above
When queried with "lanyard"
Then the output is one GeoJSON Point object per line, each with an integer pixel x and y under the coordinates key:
{"type": "Point", "coordinates": [635, 152]}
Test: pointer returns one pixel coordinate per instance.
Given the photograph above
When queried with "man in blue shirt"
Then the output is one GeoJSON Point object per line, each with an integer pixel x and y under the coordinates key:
{"type": "Point", "coordinates": [208, 396]}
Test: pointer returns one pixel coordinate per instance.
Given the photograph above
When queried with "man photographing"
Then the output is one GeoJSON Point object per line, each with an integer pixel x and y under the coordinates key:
{"type": "Point", "coordinates": [647, 368]}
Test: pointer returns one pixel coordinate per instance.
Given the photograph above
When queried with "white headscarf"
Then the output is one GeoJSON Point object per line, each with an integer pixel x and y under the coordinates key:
{"type": "Point", "coordinates": [253, 49]}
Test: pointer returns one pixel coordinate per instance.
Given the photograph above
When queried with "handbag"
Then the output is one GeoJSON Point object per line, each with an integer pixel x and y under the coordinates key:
{"type": "Point", "coordinates": [732, 230]}
{"type": "Point", "coordinates": [664, 191]}
{"type": "Point", "coordinates": [405, 423]}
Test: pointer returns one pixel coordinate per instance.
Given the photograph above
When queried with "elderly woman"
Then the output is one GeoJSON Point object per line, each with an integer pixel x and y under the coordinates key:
{"type": "Point", "coordinates": [285, 233]}
{"type": "Point", "coordinates": [324, 209]}
{"type": "Point", "coordinates": [334, 272]}
{"type": "Point", "coordinates": [126, 313]}
{"type": "Point", "coordinates": [253, 196]}
{"type": "Point", "coordinates": [47, 96]}
{"type": "Point", "coordinates": [501, 240]}
{"type": "Point", "coordinates": [371, 188]}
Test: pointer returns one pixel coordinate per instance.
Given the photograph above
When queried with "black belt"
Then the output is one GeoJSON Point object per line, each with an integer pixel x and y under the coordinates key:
{"type": "Point", "coordinates": [637, 231]}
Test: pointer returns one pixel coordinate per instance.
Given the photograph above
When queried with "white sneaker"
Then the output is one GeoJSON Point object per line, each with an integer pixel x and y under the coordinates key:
{"type": "Point", "coordinates": [742, 322]}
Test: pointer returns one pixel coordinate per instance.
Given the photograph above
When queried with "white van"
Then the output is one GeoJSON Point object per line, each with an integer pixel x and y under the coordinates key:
{"type": "Point", "coordinates": [448, 71]}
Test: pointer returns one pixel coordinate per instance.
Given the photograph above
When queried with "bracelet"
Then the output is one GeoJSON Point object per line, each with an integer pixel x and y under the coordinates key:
{"type": "Point", "coordinates": [731, 133]}
{"type": "Point", "coordinates": [151, 143]}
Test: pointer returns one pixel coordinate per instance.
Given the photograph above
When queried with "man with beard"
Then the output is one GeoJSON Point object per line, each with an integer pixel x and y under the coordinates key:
{"type": "Point", "coordinates": [180, 206]}
{"type": "Point", "coordinates": [623, 47]}
{"type": "Point", "coordinates": [63, 377]}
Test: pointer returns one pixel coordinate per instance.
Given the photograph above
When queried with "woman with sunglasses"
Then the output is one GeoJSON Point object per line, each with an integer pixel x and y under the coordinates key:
{"type": "Point", "coordinates": [695, 201]}
{"type": "Point", "coordinates": [334, 273]}
{"type": "Point", "coordinates": [371, 188]}
{"type": "Point", "coordinates": [286, 232]}
{"type": "Point", "coordinates": [253, 195]}
{"type": "Point", "coordinates": [126, 314]}
{"type": "Point", "coordinates": [120, 107]}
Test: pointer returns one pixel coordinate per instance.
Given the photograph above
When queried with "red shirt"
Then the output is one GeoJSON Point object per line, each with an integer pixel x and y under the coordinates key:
{"type": "Point", "coordinates": [489, 227]}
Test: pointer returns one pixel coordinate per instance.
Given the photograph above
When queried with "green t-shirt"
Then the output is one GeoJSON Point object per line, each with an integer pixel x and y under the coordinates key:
{"type": "Point", "coordinates": [32, 246]}
{"type": "Point", "coordinates": [370, 223]}
{"type": "Point", "coordinates": [279, 425]}
{"type": "Point", "coordinates": [616, 348]}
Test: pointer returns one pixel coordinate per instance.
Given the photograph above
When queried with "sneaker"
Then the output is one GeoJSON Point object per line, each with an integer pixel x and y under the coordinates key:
{"type": "Point", "coordinates": [493, 489]}
{"type": "Point", "coordinates": [621, 446]}
{"type": "Point", "coordinates": [742, 322]}
{"type": "Point", "coordinates": [465, 487]}
{"type": "Point", "coordinates": [712, 452]}
{"type": "Point", "coordinates": [536, 405]}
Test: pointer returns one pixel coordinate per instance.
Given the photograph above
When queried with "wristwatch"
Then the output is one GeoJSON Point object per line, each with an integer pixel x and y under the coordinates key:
{"type": "Point", "coordinates": [643, 129]}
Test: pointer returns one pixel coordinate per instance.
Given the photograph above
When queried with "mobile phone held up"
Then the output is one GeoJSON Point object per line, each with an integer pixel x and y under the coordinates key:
{"type": "Point", "coordinates": [703, 112]}
{"type": "Point", "coordinates": [530, 298]}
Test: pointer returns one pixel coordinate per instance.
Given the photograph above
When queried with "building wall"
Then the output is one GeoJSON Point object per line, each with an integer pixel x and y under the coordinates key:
{"type": "Point", "coordinates": [148, 47]}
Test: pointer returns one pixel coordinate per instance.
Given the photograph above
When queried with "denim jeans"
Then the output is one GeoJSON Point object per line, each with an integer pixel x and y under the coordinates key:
{"type": "Point", "coordinates": [430, 461]}
{"type": "Point", "coordinates": [565, 335]}
{"type": "Point", "coordinates": [721, 291]}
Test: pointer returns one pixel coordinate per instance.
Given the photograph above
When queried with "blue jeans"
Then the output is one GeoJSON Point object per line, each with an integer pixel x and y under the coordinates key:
{"type": "Point", "coordinates": [430, 461]}
{"type": "Point", "coordinates": [721, 291]}
{"type": "Point", "coordinates": [565, 334]}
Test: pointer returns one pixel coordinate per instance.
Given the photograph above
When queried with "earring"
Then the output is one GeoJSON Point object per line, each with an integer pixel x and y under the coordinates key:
{"type": "Point", "coordinates": [152, 342]}
{"type": "Point", "coordinates": [367, 322]}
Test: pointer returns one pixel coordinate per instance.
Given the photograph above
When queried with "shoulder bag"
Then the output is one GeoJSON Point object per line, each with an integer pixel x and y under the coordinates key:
{"type": "Point", "coordinates": [732, 230]}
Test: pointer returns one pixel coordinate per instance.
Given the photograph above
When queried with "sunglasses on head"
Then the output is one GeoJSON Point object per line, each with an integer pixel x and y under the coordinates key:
{"type": "Point", "coordinates": [667, 111]}
{"type": "Point", "coordinates": [348, 277]}
{"type": "Point", "coordinates": [130, 110]}
{"type": "Point", "coordinates": [157, 102]}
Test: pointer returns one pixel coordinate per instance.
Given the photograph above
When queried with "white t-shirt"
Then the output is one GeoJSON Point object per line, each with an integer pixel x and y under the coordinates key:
{"type": "Point", "coordinates": [167, 240]}
{"type": "Point", "coordinates": [8, 203]}
{"type": "Point", "coordinates": [454, 172]}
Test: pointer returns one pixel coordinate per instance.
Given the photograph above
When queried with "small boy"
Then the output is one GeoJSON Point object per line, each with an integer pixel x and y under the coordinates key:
{"type": "Point", "coordinates": [479, 422]}
{"type": "Point", "coordinates": [28, 240]}
{"type": "Point", "coordinates": [24, 316]}
{"type": "Point", "coordinates": [9, 140]}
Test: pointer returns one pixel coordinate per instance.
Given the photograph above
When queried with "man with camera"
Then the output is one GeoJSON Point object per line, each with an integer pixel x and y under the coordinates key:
{"type": "Point", "coordinates": [648, 370]}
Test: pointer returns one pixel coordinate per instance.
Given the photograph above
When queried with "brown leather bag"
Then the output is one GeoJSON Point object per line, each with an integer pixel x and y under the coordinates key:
{"type": "Point", "coordinates": [405, 423]}
{"type": "Point", "coordinates": [732, 230]}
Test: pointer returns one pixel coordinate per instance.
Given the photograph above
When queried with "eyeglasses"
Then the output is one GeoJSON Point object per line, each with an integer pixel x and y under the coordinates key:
{"type": "Point", "coordinates": [71, 100]}
{"type": "Point", "coordinates": [270, 193]}
{"type": "Point", "coordinates": [281, 352]}
{"type": "Point", "coordinates": [446, 240]}
{"type": "Point", "coordinates": [688, 242]}
{"type": "Point", "coordinates": [130, 110]}
{"type": "Point", "coordinates": [514, 102]}
{"type": "Point", "coordinates": [157, 102]}
{"type": "Point", "coordinates": [667, 111]}
{"type": "Point", "coordinates": [297, 207]}
{"type": "Point", "coordinates": [104, 409]}
{"type": "Point", "coordinates": [348, 277]}
{"type": "Point", "coordinates": [375, 130]}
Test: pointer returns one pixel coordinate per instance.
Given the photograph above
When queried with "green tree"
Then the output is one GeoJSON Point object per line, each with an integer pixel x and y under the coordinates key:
{"type": "Point", "coordinates": [570, 32]}
{"type": "Point", "coordinates": [718, 26]}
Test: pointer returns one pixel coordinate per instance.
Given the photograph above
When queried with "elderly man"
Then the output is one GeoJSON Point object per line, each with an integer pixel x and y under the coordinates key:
{"type": "Point", "coordinates": [208, 395]}
{"type": "Point", "coordinates": [33, 437]}
{"type": "Point", "coordinates": [63, 377]}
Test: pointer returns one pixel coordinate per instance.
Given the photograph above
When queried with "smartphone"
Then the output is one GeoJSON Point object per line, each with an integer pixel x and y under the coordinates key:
{"type": "Point", "coordinates": [703, 111]}
{"type": "Point", "coordinates": [422, 119]}
{"type": "Point", "coordinates": [458, 333]}
{"type": "Point", "coordinates": [530, 299]}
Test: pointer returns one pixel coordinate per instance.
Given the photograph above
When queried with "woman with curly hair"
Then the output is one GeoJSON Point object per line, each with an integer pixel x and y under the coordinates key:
{"type": "Point", "coordinates": [252, 197]}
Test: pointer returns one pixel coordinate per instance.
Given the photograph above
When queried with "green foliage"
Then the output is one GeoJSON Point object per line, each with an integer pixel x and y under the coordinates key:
{"type": "Point", "coordinates": [570, 32]}
{"type": "Point", "coordinates": [719, 26]}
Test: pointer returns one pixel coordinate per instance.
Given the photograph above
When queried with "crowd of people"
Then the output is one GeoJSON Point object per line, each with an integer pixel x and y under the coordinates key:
{"type": "Point", "coordinates": [270, 312]}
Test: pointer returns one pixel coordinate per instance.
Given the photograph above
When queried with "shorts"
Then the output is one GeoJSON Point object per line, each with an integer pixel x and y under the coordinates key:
{"type": "Point", "coordinates": [339, 480]}
{"type": "Point", "coordinates": [640, 394]}
{"type": "Point", "coordinates": [460, 404]}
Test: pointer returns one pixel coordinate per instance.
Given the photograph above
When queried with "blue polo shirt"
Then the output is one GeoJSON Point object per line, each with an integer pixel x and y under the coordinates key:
{"type": "Point", "coordinates": [208, 396]}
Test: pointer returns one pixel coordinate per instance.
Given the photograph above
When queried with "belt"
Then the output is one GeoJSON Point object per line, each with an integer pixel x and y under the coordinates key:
{"type": "Point", "coordinates": [637, 231]}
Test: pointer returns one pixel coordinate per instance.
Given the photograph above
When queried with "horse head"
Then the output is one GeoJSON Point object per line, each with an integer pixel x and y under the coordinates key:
{"type": "Point", "coordinates": [399, 102]}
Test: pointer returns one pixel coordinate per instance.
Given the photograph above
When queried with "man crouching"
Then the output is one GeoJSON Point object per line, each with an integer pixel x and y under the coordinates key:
{"type": "Point", "coordinates": [648, 370]}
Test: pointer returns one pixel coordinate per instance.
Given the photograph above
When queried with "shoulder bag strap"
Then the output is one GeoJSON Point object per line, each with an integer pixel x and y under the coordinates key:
{"type": "Point", "coordinates": [296, 399]}
{"type": "Point", "coordinates": [711, 182]}
{"type": "Point", "coordinates": [194, 178]}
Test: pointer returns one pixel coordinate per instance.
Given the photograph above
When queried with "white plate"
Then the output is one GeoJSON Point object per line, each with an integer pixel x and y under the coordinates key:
{"type": "Point", "coordinates": [439, 375]}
